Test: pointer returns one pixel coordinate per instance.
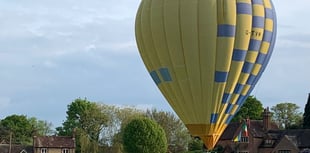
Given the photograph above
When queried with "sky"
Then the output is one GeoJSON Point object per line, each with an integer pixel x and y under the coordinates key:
{"type": "Point", "coordinates": [54, 51]}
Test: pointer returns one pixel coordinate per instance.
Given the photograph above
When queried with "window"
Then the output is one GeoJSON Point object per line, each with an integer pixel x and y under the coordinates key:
{"type": "Point", "coordinates": [245, 139]}
{"type": "Point", "coordinates": [268, 142]}
{"type": "Point", "coordinates": [43, 150]}
{"type": "Point", "coordinates": [284, 151]}
{"type": "Point", "coordinates": [65, 150]}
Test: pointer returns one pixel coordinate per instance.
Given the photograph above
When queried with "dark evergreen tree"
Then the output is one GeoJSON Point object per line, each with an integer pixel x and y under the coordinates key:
{"type": "Point", "coordinates": [306, 121]}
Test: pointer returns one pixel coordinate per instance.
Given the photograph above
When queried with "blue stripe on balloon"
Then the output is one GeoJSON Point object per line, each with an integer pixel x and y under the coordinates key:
{"type": "Point", "coordinates": [155, 77]}
{"type": "Point", "coordinates": [239, 55]}
{"type": "Point", "coordinates": [225, 98]}
{"type": "Point", "coordinates": [165, 74]}
{"type": "Point", "coordinates": [214, 117]}
{"type": "Point", "coordinates": [258, 22]}
{"type": "Point", "coordinates": [251, 79]}
{"type": "Point", "coordinates": [226, 30]}
{"type": "Point", "coordinates": [241, 100]}
{"type": "Point", "coordinates": [257, 2]}
{"type": "Point", "coordinates": [229, 108]}
{"type": "Point", "coordinates": [247, 67]}
{"type": "Point", "coordinates": [254, 45]}
{"type": "Point", "coordinates": [261, 58]}
{"type": "Point", "coordinates": [244, 8]}
{"type": "Point", "coordinates": [268, 13]}
{"type": "Point", "coordinates": [230, 117]}
{"type": "Point", "coordinates": [267, 36]}
{"type": "Point", "coordinates": [220, 76]}
{"type": "Point", "coordinates": [238, 88]}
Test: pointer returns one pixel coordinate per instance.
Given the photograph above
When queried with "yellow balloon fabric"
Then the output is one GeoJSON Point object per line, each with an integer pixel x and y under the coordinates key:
{"type": "Point", "coordinates": [206, 56]}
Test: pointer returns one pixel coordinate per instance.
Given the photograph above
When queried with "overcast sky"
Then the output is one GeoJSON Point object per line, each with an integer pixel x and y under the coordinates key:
{"type": "Point", "coordinates": [54, 51]}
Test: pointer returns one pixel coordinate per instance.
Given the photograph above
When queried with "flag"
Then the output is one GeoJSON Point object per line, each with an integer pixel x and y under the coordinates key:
{"type": "Point", "coordinates": [245, 129]}
{"type": "Point", "coordinates": [238, 137]}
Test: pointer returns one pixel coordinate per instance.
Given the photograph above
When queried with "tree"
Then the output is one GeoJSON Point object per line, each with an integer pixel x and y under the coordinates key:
{"type": "Point", "coordinates": [195, 145]}
{"type": "Point", "coordinates": [19, 127]}
{"type": "Point", "coordinates": [286, 115]}
{"type": "Point", "coordinates": [251, 108]}
{"type": "Point", "coordinates": [177, 135]}
{"type": "Point", "coordinates": [306, 115]}
{"type": "Point", "coordinates": [86, 119]}
{"type": "Point", "coordinates": [41, 127]}
{"type": "Point", "coordinates": [143, 135]}
{"type": "Point", "coordinates": [118, 118]}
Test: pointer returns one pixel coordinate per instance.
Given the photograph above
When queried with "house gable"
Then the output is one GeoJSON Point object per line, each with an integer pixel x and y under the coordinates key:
{"type": "Point", "coordinates": [286, 144]}
{"type": "Point", "coordinates": [23, 151]}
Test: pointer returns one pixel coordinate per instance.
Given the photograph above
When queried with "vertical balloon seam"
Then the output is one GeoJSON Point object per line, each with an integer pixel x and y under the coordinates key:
{"type": "Point", "coordinates": [255, 79]}
{"type": "Point", "coordinates": [138, 33]}
{"type": "Point", "coordinates": [175, 92]}
{"type": "Point", "coordinates": [176, 84]}
{"type": "Point", "coordinates": [148, 62]}
{"type": "Point", "coordinates": [272, 43]}
{"type": "Point", "coordinates": [162, 51]}
{"type": "Point", "coordinates": [254, 46]}
{"type": "Point", "coordinates": [214, 103]}
{"type": "Point", "coordinates": [141, 44]}
{"type": "Point", "coordinates": [233, 71]}
{"type": "Point", "coordinates": [243, 9]}
{"type": "Point", "coordinates": [189, 62]}
{"type": "Point", "coordinates": [199, 60]}
{"type": "Point", "coordinates": [153, 66]}
{"type": "Point", "coordinates": [228, 38]}
{"type": "Point", "coordinates": [202, 98]}
{"type": "Point", "coordinates": [212, 106]}
{"type": "Point", "coordinates": [272, 16]}
{"type": "Point", "coordinates": [207, 33]}
{"type": "Point", "coordinates": [146, 36]}
{"type": "Point", "coordinates": [219, 75]}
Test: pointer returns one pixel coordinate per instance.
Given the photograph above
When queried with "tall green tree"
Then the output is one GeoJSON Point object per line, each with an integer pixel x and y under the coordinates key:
{"type": "Point", "coordinates": [287, 115]}
{"type": "Point", "coordinates": [19, 127]}
{"type": "Point", "coordinates": [306, 115]}
{"type": "Point", "coordinates": [177, 135]}
{"type": "Point", "coordinates": [144, 135]}
{"type": "Point", "coordinates": [251, 108]}
{"type": "Point", "coordinates": [86, 120]}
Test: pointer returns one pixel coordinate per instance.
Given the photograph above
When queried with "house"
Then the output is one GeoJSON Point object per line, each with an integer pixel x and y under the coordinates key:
{"type": "Point", "coordinates": [42, 144]}
{"type": "Point", "coordinates": [15, 148]}
{"type": "Point", "coordinates": [53, 144]}
{"type": "Point", "coordinates": [263, 136]}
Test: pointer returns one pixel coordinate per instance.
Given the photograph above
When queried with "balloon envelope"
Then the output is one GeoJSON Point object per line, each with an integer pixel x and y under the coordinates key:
{"type": "Point", "coordinates": [206, 56]}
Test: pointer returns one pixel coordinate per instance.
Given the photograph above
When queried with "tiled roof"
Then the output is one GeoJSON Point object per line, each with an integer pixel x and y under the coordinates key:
{"type": "Point", "coordinates": [301, 137]}
{"type": "Point", "coordinates": [255, 128]}
{"type": "Point", "coordinates": [4, 148]}
{"type": "Point", "coordinates": [53, 142]}
{"type": "Point", "coordinates": [230, 131]}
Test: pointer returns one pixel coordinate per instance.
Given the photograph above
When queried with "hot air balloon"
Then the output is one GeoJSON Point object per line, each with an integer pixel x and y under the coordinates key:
{"type": "Point", "coordinates": [205, 56]}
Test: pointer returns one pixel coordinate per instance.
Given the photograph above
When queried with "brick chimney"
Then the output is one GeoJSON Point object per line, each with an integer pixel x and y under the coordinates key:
{"type": "Point", "coordinates": [266, 119]}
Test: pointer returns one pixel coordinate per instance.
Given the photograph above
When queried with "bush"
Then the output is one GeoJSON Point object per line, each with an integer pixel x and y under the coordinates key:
{"type": "Point", "coordinates": [143, 135]}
